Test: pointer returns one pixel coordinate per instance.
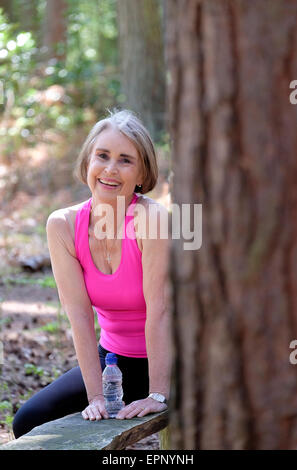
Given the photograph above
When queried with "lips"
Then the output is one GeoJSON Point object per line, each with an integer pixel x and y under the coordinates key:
{"type": "Point", "coordinates": [109, 183]}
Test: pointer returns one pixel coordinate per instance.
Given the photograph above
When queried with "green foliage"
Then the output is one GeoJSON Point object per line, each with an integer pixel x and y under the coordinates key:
{"type": "Point", "coordinates": [31, 369]}
{"type": "Point", "coordinates": [92, 31]}
{"type": "Point", "coordinates": [17, 58]}
{"type": "Point", "coordinates": [48, 281]}
{"type": "Point", "coordinates": [164, 144]}
{"type": "Point", "coordinates": [55, 326]}
{"type": "Point", "coordinates": [51, 327]}
{"type": "Point", "coordinates": [55, 373]}
{"type": "Point", "coordinates": [5, 320]}
{"type": "Point", "coordinates": [6, 412]}
{"type": "Point", "coordinates": [42, 93]}
{"type": "Point", "coordinates": [17, 54]}
{"type": "Point", "coordinates": [5, 405]}
{"type": "Point", "coordinates": [23, 397]}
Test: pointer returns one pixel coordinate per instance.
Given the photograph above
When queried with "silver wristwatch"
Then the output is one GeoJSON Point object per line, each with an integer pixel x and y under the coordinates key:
{"type": "Point", "coordinates": [158, 397]}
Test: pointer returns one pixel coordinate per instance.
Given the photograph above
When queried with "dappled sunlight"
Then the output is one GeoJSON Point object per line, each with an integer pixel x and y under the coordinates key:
{"type": "Point", "coordinates": [165, 197]}
{"type": "Point", "coordinates": [29, 308]}
{"type": "Point", "coordinates": [52, 91]}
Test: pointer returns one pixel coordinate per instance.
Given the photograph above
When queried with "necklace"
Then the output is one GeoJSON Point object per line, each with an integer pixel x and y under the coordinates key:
{"type": "Point", "coordinates": [107, 256]}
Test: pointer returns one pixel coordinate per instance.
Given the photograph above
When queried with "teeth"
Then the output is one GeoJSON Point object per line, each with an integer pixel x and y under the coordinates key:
{"type": "Point", "coordinates": [110, 184]}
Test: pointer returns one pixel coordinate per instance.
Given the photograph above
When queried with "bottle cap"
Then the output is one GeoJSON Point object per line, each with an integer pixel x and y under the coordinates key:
{"type": "Point", "coordinates": [111, 359]}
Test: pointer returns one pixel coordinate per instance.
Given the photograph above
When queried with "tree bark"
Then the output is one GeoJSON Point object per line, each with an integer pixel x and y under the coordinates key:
{"type": "Point", "coordinates": [55, 28]}
{"type": "Point", "coordinates": [28, 16]}
{"type": "Point", "coordinates": [234, 146]}
{"type": "Point", "coordinates": [7, 6]}
{"type": "Point", "coordinates": [24, 14]}
{"type": "Point", "coordinates": [142, 61]}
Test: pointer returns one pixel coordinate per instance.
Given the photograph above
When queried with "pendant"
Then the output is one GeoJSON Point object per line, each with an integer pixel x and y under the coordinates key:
{"type": "Point", "coordinates": [108, 257]}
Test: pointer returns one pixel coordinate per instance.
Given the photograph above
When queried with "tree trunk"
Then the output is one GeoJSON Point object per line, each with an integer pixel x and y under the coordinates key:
{"type": "Point", "coordinates": [29, 20]}
{"type": "Point", "coordinates": [142, 60]}
{"type": "Point", "coordinates": [8, 10]}
{"type": "Point", "coordinates": [234, 147]}
{"type": "Point", "coordinates": [24, 14]}
{"type": "Point", "coordinates": [55, 28]}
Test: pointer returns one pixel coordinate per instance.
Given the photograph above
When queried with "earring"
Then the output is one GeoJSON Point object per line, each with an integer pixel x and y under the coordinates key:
{"type": "Point", "coordinates": [139, 185]}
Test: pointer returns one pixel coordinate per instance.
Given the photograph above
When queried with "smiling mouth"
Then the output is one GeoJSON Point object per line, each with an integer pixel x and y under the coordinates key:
{"type": "Point", "coordinates": [110, 185]}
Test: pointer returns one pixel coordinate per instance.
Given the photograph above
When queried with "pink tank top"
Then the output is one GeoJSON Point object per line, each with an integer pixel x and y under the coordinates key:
{"type": "Point", "coordinates": [118, 298]}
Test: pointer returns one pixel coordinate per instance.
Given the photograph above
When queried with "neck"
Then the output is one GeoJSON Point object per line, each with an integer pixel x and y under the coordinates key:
{"type": "Point", "coordinates": [113, 214]}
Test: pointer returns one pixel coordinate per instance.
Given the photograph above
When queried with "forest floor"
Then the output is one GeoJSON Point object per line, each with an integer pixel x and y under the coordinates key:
{"type": "Point", "coordinates": [35, 332]}
{"type": "Point", "coordinates": [37, 344]}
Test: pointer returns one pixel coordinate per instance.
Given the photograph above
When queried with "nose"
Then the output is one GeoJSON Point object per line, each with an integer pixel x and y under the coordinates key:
{"type": "Point", "coordinates": [110, 167]}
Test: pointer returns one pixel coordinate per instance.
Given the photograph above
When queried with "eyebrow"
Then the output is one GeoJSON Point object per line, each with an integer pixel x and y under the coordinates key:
{"type": "Point", "coordinates": [121, 155]}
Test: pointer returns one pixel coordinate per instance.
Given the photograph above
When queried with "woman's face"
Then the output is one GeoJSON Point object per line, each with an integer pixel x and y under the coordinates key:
{"type": "Point", "coordinates": [113, 159]}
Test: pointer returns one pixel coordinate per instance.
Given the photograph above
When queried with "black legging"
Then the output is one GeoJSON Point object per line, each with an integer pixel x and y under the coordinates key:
{"type": "Point", "coordinates": [67, 394]}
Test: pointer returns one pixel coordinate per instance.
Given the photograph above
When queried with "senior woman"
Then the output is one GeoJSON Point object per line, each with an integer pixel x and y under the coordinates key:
{"type": "Point", "coordinates": [123, 277]}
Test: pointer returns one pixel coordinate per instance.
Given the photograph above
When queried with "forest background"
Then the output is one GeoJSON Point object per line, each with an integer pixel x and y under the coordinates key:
{"type": "Point", "coordinates": [63, 64]}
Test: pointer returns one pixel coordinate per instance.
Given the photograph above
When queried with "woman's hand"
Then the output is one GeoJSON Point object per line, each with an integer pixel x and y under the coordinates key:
{"type": "Point", "coordinates": [141, 408]}
{"type": "Point", "coordinates": [95, 410]}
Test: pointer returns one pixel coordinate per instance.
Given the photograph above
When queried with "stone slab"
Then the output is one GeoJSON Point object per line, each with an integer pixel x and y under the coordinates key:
{"type": "Point", "coordinates": [72, 432]}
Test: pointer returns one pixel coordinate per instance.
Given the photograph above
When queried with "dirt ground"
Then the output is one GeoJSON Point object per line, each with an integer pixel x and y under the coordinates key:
{"type": "Point", "coordinates": [37, 345]}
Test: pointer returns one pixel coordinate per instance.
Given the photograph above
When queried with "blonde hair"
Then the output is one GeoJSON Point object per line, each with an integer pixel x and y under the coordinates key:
{"type": "Point", "coordinates": [130, 125]}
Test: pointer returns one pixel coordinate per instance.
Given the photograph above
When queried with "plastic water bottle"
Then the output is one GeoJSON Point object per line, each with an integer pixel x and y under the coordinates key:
{"type": "Point", "coordinates": [112, 386]}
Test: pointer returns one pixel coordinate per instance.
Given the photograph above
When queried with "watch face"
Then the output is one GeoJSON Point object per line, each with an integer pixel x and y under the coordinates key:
{"type": "Point", "coordinates": [158, 397]}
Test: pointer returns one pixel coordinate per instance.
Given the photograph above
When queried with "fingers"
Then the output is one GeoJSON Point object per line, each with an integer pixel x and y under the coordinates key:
{"type": "Point", "coordinates": [104, 414]}
{"type": "Point", "coordinates": [138, 408]}
{"type": "Point", "coordinates": [141, 408]}
{"type": "Point", "coordinates": [91, 413]}
{"type": "Point", "coordinates": [94, 412]}
{"type": "Point", "coordinates": [143, 413]}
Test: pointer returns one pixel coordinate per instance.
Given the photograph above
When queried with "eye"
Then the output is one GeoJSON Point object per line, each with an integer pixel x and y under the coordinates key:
{"type": "Point", "coordinates": [104, 156]}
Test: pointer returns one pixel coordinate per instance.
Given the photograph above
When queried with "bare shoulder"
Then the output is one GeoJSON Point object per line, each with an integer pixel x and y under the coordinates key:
{"type": "Point", "coordinates": [62, 223]}
{"type": "Point", "coordinates": [155, 255]}
{"type": "Point", "coordinates": [153, 212]}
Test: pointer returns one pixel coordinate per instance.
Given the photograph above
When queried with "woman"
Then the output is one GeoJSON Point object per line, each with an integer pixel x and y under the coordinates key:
{"type": "Point", "coordinates": [124, 278]}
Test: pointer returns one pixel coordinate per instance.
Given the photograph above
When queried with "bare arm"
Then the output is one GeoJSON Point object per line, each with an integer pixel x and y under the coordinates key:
{"type": "Point", "coordinates": [75, 301]}
{"type": "Point", "coordinates": [155, 265]}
